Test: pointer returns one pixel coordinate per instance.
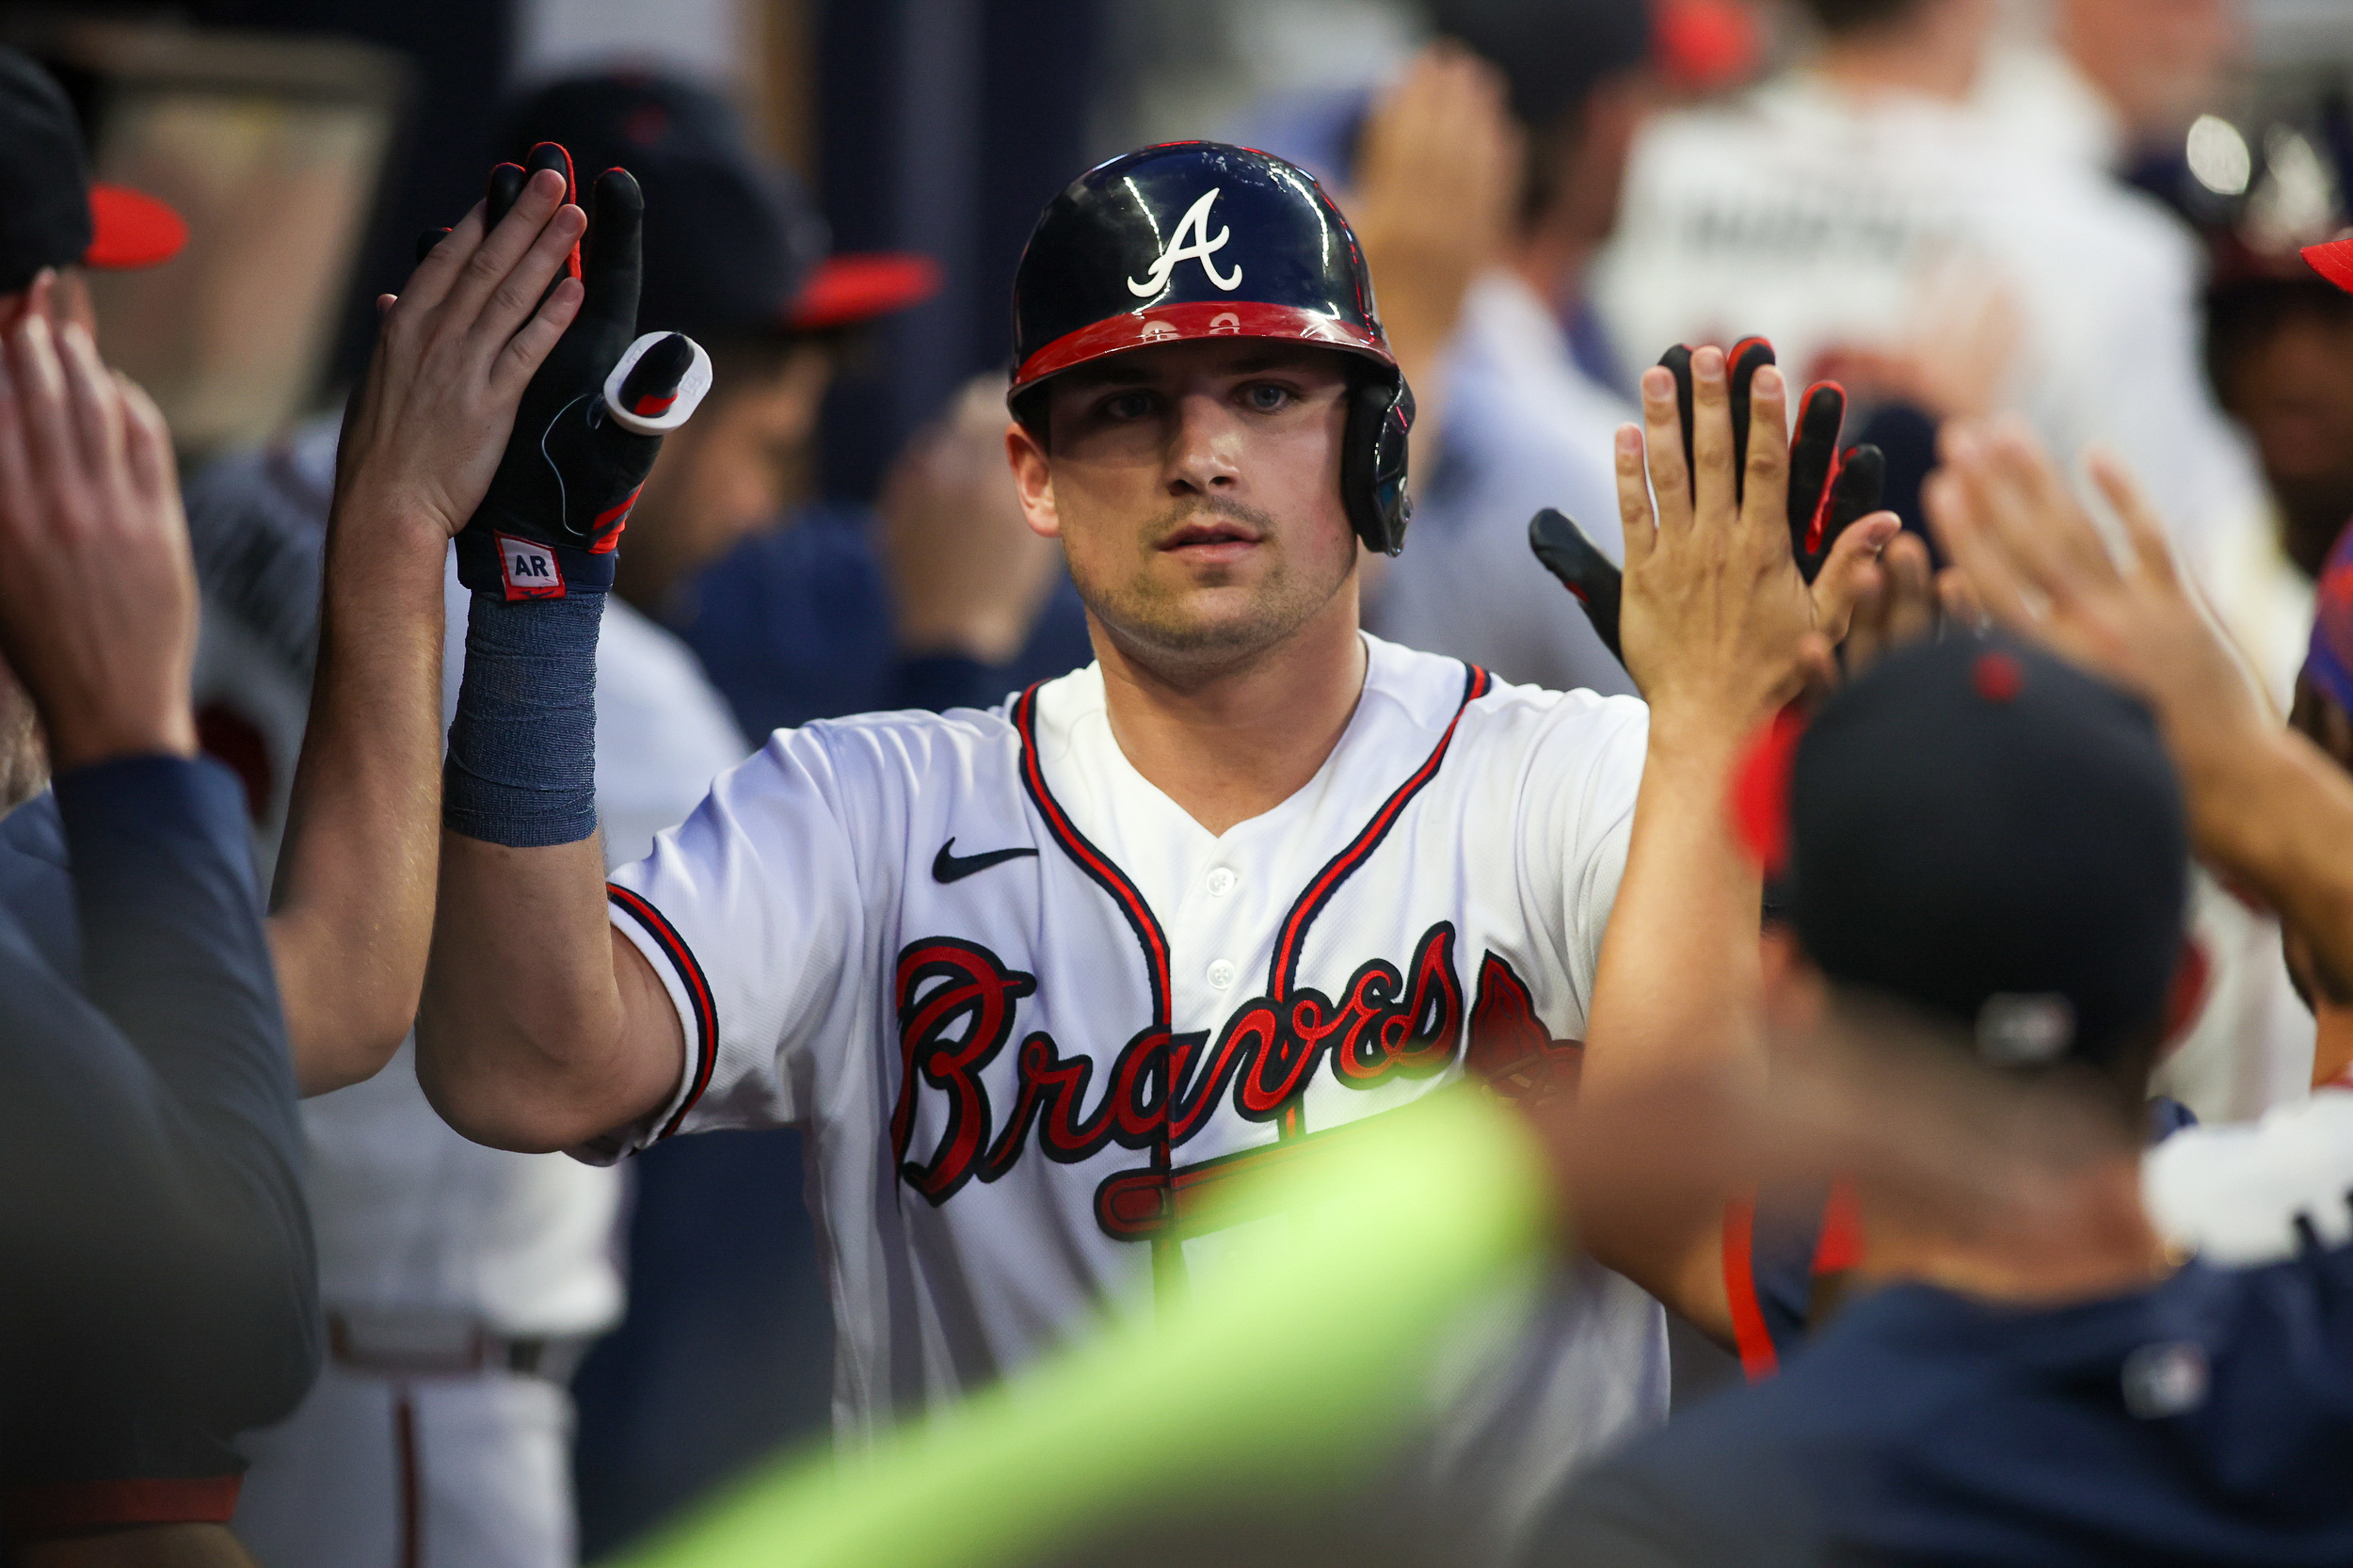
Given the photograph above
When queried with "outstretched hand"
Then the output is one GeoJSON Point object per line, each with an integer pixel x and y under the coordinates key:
{"type": "Point", "coordinates": [457, 349]}
{"type": "Point", "coordinates": [1717, 623]}
{"type": "Point", "coordinates": [2034, 562]}
{"type": "Point", "coordinates": [97, 590]}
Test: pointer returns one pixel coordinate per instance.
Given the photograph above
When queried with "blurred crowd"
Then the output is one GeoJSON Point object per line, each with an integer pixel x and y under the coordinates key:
{"type": "Point", "coordinates": [265, 1299]}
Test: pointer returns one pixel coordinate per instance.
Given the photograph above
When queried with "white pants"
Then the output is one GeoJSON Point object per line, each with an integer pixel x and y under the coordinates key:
{"type": "Point", "coordinates": [380, 1470]}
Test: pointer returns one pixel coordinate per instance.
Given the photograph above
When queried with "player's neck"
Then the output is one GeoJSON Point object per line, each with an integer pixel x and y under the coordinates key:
{"type": "Point", "coordinates": [1233, 744]}
{"type": "Point", "coordinates": [2087, 1237]}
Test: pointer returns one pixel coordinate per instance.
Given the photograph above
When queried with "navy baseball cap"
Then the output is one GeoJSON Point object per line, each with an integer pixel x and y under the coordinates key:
{"type": "Point", "coordinates": [1985, 832]}
{"type": "Point", "coordinates": [51, 214]}
{"type": "Point", "coordinates": [732, 243]}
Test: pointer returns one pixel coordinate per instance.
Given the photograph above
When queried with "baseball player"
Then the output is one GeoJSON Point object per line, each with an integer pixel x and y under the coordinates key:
{"type": "Point", "coordinates": [1037, 980]}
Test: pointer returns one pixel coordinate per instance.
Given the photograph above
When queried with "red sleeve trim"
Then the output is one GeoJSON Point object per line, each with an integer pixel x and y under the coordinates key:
{"type": "Point", "coordinates": [55, 1507]}
{"type": "Point", "coordinates": [689, 973]}
{"type": "Point", "coordinates": [1841, 1244]}
{"type": "Point", "coordinates": [1756, 1343]}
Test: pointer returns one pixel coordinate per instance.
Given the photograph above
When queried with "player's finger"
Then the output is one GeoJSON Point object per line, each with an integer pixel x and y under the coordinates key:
{"type": "Point", "coordinates": [524, 289]}
{"type": "Point", "coordinates": [1850, 570]}
{"type": "Point", "coordinates": [1957, 599]}
{"type": "Point", "coordinates": [1813, 455]}
{"type": "Point", "coordinates": [613, 268]}
{"type": "Point", "coordinates": [92, 404]}
{"type": "Point", "coordinates": [1764, 495]}
{"type": "Point", "coordinates": [1634, 509]}
{"type": "Point", "coordinates": [2028, 532]}
{"type": "Point", "coordinates": [430, 239]}
{"type": "Point", "coordinates": [441, 266]}
{"type": "Point", "coordinates": [1713, 502]}
{"type": "Point", "coordinates": [1955, 514]}
{"type": "Point", "coordinates": [146, 442]}
{"type": "Point", "coordinates": [487, 268]}
{"type": "Point", "coordinates": [1659, 447]}
{"type": "Point", "coordinates": [1677, 361]}
{"type": "Point", "coordinates": [1912, 586]}
{"type": "Point", "coordinates": [2153, 551]}
{"type": "Point", "coordinates": [527, 349]}
{"type": "Point", "coordinates": [40, 388]}
{"type": "Point", "coordinates": [17, 511]}
{"type": "Point", "coordinates": [2073, 546]}
{"type": "Point", "coordinates": [1747, 357]}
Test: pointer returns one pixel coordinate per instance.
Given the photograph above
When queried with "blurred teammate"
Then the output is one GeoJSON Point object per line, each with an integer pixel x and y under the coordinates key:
{"type": "Point", "coordinates": [355, 881]}
{"type": "Point", "coordinates": [1527, 426]}
{"type": "Point", "coordinates": [1999, 1394]}
{"type": "Point", "coordinates": [159, 1254]}
{"type": "Point", "coordinates": [1861, 215]}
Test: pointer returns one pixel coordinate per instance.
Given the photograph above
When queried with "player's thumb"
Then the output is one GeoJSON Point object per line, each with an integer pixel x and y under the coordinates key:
{"type": "Point", "coordinates": [657, 384]}
{"type": "Point", "coordinates": [1851, 571]}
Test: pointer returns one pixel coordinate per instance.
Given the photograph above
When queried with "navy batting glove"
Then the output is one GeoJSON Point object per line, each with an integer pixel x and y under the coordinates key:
{"type": "Point", "coordinates": [1828, 488]}
{"type": "Point", "coordinates": [592, 420]}
{"type": "Point", "coordinates": [1592, 577]}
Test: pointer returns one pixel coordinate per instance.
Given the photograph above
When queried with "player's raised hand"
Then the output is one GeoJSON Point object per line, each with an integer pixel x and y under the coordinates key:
{"type": "Point", "coordinates": [1717, 620]}
{"type": "Point", "coordinates": [2035, 562]}
{"type": "Point", "coordinates": [591, 420]}
{"type": "Point", "coordinates": [97, 590]}
{"type": "Point", "coordinates": [457, 349]}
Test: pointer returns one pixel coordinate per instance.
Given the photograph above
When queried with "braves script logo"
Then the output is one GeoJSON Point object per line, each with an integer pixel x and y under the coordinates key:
{"type": "Point", "coordinates": [1199, 247]}
{"type": "Point", "coordinates": [957, 1004]}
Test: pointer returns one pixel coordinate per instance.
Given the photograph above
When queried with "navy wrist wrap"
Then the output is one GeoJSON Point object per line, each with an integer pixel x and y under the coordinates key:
{"type": "Point", "coordinates": [521, 768]}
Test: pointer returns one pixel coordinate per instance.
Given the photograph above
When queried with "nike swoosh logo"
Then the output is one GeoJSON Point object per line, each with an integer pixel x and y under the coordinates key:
{"type": "Point", "coordinates": [947, 867]}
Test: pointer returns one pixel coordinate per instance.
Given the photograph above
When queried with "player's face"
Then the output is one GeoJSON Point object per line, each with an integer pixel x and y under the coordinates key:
{"type": "Point", "coordinates": [1195, 488]}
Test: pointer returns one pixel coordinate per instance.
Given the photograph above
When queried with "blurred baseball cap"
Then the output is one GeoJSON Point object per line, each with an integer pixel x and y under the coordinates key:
{"type": "Point", "coordinates": [732, 243]}
{"type": "Point", "coordinates": [1987, 834]}
{"type": "Point", "coordinates": [51, 215]}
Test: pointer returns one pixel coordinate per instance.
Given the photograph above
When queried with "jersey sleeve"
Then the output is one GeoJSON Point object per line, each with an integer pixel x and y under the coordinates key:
{"type": "Point", "coordinates": [754, 913]}
{"type": "Point", "coordinates": [1576, 817]}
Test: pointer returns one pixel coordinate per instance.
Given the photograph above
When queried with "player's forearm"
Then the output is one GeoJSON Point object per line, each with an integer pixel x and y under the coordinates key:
{"type": "Point", "coordinates": [1677, 982]}
{"type": "Point", "coordinates": [521, 1041]}
{"type": "Point", "coordinates": [2274, 813]}
{"type": "Point", "coordinates": [1675, 998]}
{"type": "Point", "coordinates": [354, 901]}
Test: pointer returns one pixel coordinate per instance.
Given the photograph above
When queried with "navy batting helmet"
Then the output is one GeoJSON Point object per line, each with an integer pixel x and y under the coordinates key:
{"type": "Point", "coordinates": [1196, 239]}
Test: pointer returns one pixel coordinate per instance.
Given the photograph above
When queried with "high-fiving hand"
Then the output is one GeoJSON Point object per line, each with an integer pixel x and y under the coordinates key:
{"type": "Point", "coordinates": [1717, 619]}
{"type": "Point", "coordinates": [2033, 560]}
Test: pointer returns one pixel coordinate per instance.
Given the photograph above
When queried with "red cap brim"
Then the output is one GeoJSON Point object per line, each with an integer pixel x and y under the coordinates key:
{"type": "Point", "coordinates": [131, 228]}
{"type": "Point", "coordinates": [2333, 260]}
{"type": "Point", "coordinates": [1212, 318]}
{"type": "Point", "coordinates": [848, 289]}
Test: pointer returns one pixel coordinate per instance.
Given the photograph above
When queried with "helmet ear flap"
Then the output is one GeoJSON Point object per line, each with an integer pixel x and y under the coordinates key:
{"type": "Point", "coordinates": [1373, 461]}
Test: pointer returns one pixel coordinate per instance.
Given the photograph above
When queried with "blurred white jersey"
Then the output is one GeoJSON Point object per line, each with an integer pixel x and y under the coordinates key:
{"type": "Point", "coordinates": [2244, 1196]}
{"type": "Point", "coordinates": [1032, 1013]}
{"type": "Point", "coordinates": [1829, 224]}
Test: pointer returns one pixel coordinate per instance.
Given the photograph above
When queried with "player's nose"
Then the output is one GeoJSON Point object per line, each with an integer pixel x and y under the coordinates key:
{"type": "Point", "coordinates": [1203, 441]}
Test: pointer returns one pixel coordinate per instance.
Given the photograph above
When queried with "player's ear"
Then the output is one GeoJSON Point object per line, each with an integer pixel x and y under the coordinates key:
{"type": "Point", "coordinates": [1032, 480]}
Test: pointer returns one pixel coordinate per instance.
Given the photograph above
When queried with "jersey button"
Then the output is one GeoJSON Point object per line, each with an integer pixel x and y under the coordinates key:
{"type": "Point", "coordinates": [1221, 973]}
{"type": "Point", "coordinates": [1222, 882]}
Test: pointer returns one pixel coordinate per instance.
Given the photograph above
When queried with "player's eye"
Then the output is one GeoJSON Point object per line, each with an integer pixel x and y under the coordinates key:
{"type": "Point", "coordinates": [1136, 403]}
{"type": "Point", "coordinates": [1268, 398]}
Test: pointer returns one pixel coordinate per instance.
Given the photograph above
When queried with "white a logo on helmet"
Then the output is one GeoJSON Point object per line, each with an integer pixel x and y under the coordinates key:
{"type": "Point", "coordinates": [1191, 241]}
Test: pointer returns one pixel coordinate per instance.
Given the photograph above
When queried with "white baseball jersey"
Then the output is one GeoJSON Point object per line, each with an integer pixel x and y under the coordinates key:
{"type": "Point", "coordinates": [1030, 1012]}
